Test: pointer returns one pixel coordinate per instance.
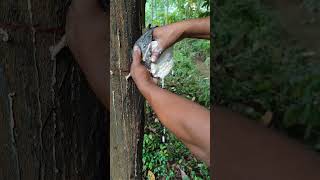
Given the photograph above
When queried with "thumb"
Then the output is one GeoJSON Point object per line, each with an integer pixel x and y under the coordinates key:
{"type": "Point", "coordinates": [136, 55]}
{"type": "Point", "coordinates": [155, 56]}
{"type": "Point", "coordinates": [156, 53]}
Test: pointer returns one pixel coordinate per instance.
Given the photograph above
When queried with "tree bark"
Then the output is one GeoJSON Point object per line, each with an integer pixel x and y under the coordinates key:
{"type": "Point", "coordinates": [51, 124]}
{"type": "Point", "coordinates": [127, 104]}
{"type": "Point", "coordinates": [152, 11]}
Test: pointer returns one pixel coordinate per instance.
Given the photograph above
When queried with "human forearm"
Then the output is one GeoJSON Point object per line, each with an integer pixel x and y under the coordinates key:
{"type": "Point", "coordinates": [170, 34]}
{"type": "Point", "coordinates": [192, 28]}
{"type": "Point", "coordinates": [189, 121]}
{"type": "Point", "coordinates": [95, 72]}
{"type": "Point", "coordinates": [87, 30]}
{"type": "Point", "coordinates": [196, 28]}
{"type": "Point", "coordinates": [244, 150]}
{"type": "Point", "coordinates": [93, 61]}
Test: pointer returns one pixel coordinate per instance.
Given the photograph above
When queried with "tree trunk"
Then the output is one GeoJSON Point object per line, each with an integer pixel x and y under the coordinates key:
{"type": "Point", "coordinates": [51, 124]}
{"type": "Point", "coordinates": [127, 104]}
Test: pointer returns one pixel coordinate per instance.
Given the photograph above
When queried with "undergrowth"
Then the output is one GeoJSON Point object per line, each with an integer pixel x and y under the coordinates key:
{"type": "Point", "coordinates": [258, 68]}
{"type": "Point", "coordinates": [171, 159]}
{"type": "Point", "coordinates": [166, 159]}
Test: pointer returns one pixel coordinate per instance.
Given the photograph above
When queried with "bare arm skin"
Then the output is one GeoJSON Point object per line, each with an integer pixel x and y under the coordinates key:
{"type": "Point", "coordinates": [189, 121]}
{"type": "Point", "coordinates": [88, 38]}
{"type": "Point", "coordinates": [243, 150]}
{"type": "Point", "coordinates": [172, 33]}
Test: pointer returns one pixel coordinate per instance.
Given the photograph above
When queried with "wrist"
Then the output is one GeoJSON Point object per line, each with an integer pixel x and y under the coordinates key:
{"type": "Point", "coordinates": [197, 28]}
{"type": "Point", "coordinates": [145, 87]}
{"type": "Point", "coordinates": [185, 29]}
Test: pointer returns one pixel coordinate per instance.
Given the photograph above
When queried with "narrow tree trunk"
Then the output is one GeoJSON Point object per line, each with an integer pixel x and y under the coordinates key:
{"type": "Point", "coordinates": [127, 105]}
{"type": "Point", "coordinates": [51, 124]}
{"type": "Point", "coordinates": [152, 11]}
{"type": "Point", "coordinates": [155, 9]}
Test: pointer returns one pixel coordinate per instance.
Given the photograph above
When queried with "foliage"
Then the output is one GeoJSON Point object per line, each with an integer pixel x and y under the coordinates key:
{"type": "Point", "coordinates": [186, 79]}
{"type": "Point", "coordinates": [162, 158]}
{"type": "Point", "coordinates": [257, 68]}
{"type": "Point", "coordinates": [165, 160]}
{"type": "Point", "coordinates": [169, 11]}
{"type": "Point", "coordinates": [311, 5]}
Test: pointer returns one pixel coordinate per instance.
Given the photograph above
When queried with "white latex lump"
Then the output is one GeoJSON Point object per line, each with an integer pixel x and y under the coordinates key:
{"type": "Point", "coordinates": [162, 67]}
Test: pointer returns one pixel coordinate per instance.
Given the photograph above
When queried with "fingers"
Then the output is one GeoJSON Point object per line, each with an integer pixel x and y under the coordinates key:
{"type": "Point", "coordinates": [155, 56]}
{"type": "Point", "coordinates": [136, 56]}
{"type": "Point", "coordinates": [156, 53]}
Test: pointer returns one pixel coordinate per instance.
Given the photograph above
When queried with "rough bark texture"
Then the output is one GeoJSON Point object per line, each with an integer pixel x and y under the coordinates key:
{"type": "Point", "coordinates": [127, 105]}
{"type": "Point", "coordinates": [51, 124]}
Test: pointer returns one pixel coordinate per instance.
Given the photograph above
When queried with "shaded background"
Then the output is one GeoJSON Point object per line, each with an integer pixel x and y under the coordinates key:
{"type": "Point", "coordinates": [266, 64]}
{"type": "Point", "coordinates": [51, 124]}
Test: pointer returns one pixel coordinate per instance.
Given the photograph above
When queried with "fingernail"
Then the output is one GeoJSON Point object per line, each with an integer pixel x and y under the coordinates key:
{"type": "Point", "coordinates": [136, 48]}
{"type": "Point", "coordinates": [153, 59]}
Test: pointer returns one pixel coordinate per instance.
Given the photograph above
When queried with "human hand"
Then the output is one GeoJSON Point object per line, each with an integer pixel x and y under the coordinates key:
{"type": "Point", "coordinates": [139, 73]}
{"type": "Point", "coordinates": [172, 33]}
{"type": "Point", "coordinates": [166, 36]}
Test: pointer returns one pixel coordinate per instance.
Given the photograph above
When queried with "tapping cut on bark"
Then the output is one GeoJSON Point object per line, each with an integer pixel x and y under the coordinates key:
{"type": "Point", "coordinates": [55, 49]}
{"type": "Point", "coordinates": [4, 35]}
